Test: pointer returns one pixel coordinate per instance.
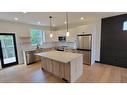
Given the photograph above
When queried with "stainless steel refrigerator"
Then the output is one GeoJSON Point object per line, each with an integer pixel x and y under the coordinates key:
{"type": "Point", "coordinates": [84, 43]}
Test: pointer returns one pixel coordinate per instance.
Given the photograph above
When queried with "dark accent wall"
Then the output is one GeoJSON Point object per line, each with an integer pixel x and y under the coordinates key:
{"type": "Point", "coordinates": [114, 41]}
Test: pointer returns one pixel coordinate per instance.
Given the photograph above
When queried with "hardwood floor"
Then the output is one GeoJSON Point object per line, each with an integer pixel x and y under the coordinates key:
{"type": "Point", "coordinates": [101, 73]}
{"type": "Point", "coordinates": [97, 73]}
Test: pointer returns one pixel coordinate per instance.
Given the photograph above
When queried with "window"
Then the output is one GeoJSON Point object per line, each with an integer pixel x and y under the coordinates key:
{"type": "Point", "coordinates": [7, 46]}
{"type": "Point", "coordinates": [37, 37]}
{"type": "Point", "coordinates": [125, 26]}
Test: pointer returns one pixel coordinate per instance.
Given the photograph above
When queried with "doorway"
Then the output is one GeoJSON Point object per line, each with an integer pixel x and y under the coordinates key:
{"type": "Point", "coordinates": [8, 49]}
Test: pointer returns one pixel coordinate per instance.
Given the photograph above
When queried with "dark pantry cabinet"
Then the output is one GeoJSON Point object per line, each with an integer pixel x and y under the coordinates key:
{"type": "Point", "coordinates": [114, 41]}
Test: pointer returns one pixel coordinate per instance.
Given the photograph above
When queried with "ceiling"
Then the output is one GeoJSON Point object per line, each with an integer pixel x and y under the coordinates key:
{"type": "Point", "coordinates": [42, 18]}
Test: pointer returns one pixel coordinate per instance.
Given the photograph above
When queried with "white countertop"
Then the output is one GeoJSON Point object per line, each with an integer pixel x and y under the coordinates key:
{"type": "Point", "coordinates": [60, 56]}
{"type": "Point", "coordinates": [25, 50]}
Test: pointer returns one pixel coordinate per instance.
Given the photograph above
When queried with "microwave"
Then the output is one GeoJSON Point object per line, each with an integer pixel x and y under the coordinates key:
{"type": "Point", "coordinates": [62, 38]}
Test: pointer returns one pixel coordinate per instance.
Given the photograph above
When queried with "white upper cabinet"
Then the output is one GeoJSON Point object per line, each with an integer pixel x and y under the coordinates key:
{"type": "Point", "coordinates": [73, 32]}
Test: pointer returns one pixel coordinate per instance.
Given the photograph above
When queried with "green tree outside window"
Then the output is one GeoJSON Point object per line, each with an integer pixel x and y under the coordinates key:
{"type": "Point", "coordinates": [36, 37]}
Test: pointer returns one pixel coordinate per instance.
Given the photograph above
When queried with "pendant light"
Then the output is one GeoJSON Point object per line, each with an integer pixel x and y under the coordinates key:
{"type": "Point", "coordinates": [51, 35]}
{"type": "Point", "coordinates": [67, 33]}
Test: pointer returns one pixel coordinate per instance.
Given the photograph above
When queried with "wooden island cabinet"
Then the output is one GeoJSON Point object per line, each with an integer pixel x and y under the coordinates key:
{"type": "Point", "coordinates": [65, 65]}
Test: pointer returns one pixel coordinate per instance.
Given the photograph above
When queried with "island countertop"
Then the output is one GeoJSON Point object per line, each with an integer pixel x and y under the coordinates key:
{"type": "Point", "coordinates": [60, 56]}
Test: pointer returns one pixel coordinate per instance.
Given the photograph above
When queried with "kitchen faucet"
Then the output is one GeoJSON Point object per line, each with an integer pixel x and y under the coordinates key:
{"type": "Point", "coordinates": [38, 46]}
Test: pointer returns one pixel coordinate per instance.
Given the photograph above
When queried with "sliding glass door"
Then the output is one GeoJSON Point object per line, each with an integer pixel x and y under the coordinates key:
{"type": "Point", "coordinates": [8, 49]}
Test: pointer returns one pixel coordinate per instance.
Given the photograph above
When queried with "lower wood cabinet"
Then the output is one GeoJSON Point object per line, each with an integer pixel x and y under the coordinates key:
{"type": "Point", "coordinates": [67, 72]}
{"type": "Point", "coordinates": [70, 71]}
{"type": "Point", "coordinates": [56, 68]}
{"type": "Point", "coordinates": [59, 69]}
{"type": "Point", "coordinates": [49, 65]}
{"type": "Point", "coordinates": [44, 65]}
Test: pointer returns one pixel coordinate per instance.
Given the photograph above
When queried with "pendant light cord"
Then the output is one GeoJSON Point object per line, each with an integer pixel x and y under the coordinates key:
{"type": "Point", "coordinates": [67, 20]}
{"type": "Point", "coordinates": [50, 17]}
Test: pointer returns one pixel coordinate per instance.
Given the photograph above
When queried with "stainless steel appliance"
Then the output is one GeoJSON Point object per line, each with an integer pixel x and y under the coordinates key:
{"type": "Point", "coordinates": [84, 41]}
{"type": "Point", "coordinates": [84, 47]}
{"type": "Point", "coordinates": [62, 38]}
{"type": "Point", "coordinates": [61, 48]}
{"type": "Point", "coordinates": [30, 57]}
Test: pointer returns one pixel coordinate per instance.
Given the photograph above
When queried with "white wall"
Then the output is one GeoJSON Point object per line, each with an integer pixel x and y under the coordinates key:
{"type": "Point", "coordinates": [98, 38]}
{"type": "Point", "coordinates": [22, 30]}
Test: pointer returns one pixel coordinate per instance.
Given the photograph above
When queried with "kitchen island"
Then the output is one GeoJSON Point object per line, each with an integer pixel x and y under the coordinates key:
{"type": "Point", "coordinates": [65, 65]}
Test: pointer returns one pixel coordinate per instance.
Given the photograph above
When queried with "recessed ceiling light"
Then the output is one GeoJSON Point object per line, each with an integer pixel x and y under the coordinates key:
{"type": "Point", "coordinates": [82, 18]}
{"type": "Point", "coordinates": [15, 18]}
{"type": "Point", "coordinates": [24, 12]}
{"type": "Point", "coordinates": [65, 22]}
